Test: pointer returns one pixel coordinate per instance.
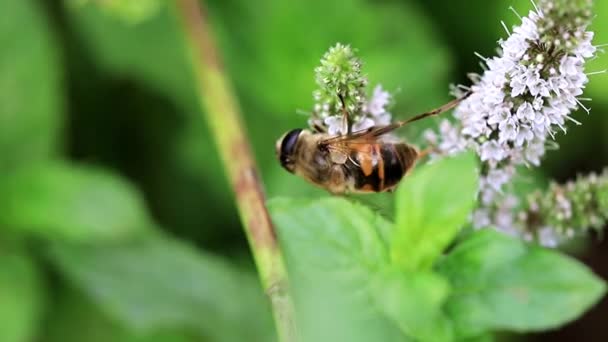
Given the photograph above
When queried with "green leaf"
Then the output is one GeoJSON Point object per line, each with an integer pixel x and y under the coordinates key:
{"type": "Point", "coordinates": [160, 283]}
{"type": "Point", "coordinates": [31, 93]}
{"type": "Point", "coordinates": [132, 11]}
{"type": "Point", "coordinates": [431, 207]}
{"type": "Point", "coordinates": [71, 306]}
{"type": "Point", "coordinates": [333, 249]}
{"type": "Point", "coordinates": [500, 283]}
{"type": "Point", "coordinates": [75, 203]}
{"type": "Point", "coordinates": [21, 295]}
{"type": "Point", "coordinates": [414, 302]}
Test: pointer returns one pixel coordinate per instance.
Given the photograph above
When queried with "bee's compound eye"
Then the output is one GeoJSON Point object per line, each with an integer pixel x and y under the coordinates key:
{"type": "Point", "coordinates": [287, 147]}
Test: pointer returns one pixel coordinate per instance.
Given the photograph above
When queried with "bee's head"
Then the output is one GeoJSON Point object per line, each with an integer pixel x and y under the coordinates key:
{"type": "Point", "coordinates": [286, 147]}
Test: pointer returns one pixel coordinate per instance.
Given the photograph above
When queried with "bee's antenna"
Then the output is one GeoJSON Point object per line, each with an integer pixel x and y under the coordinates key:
{"type": "Point", "coordinates": [385, 129]}
{"type": "Point", "coordinates": [436, 111]}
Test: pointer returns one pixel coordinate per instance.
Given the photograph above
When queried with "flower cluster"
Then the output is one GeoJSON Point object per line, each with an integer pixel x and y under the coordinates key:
{"type": "Point", "coordinates": [339, 76]}
{"type": "Point", "coordinates": [525, 96]}
{"type": "Point", "coordinates": [564, 210]}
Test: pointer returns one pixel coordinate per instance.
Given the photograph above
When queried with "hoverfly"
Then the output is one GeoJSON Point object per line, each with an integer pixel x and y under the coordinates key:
{"type": "Point", "coordinates": [365, 161]}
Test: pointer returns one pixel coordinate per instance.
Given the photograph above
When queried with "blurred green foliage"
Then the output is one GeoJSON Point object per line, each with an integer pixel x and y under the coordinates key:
{"type": "Point", "coordinates": [22, 296]}
{"type": "Point", "coordinates": [116, 221]}
{"type": "Point", "coordinates": [32, 110]}
{"type": "Point", "coordinates": [69, 203]}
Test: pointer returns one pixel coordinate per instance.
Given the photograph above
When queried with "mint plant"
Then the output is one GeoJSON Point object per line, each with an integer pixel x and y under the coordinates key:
{"type": "Point", "coordinates": [360, 277]}
{"type": "Point", "coordinates": [102, 253]}
{"type": "Point", "coordinates": [433, 272]}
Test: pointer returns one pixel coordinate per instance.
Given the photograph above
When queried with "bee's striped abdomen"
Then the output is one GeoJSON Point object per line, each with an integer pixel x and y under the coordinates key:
{"type": "Point", "coordinates": [380, 167]}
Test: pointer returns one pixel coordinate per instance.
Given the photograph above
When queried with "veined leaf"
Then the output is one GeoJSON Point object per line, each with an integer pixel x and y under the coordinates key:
{"type": "Point", "coordinates": [346, 289]}
{"type": "Point", "coordinates": [414, 302]}
{"type": "Point", "coordinates": [502, 283]}
{"type": "Point", "coordinates": [432, 205]}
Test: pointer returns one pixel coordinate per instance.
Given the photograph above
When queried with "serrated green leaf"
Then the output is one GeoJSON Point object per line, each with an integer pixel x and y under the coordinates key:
{"type": "Point", "coordinates": [160, 283]}
{"type": "Point", "coordinates": [57, 201]}
{"type": "Point", "coordinates": [21, 297]}
{"type": "Point", "coordinates": [31, 97]}
{"type": "Point", "coordinates": [414, 301]}
{"type": "Point", "coordinates": [500, 283]}
{"type": "Point", "coordinates": [431, 207]}
{"type": "Point", "coordinates": [333, 249]}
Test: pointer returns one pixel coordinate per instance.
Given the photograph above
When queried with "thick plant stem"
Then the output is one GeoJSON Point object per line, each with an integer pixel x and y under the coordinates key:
{"type": "Point", "coordinates": [223, 115]}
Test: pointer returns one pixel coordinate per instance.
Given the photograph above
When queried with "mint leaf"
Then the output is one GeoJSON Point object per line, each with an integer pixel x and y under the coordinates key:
{"type": "Point", "coordinates": [73, 203]}
{"type": "Point", "coordinates": [414, 301]}
{"type": "Point", "coordinates": [21, 295]}
{"type": "Point", "coordinates": [432, 205]}
{"type": "Point", "coordinates": [333, 249]}
{"type": "Point", "coordinates": [31, 93]}
{"type": "Point", "coordinates": [160, 283]}
{"type": "Point", "coordinates": [501, 283]}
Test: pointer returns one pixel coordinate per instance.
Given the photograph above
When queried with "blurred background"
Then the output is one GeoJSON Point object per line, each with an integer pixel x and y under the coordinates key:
{"type": "Point", "coordinates": [97, 105]}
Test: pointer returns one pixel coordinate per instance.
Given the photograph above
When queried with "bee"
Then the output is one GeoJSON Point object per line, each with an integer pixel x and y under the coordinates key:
{"type": "Point", "coordinates": [366, 161]}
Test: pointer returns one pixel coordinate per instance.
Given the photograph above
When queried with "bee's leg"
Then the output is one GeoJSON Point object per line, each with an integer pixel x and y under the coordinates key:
{"type": "Point", "coordinates": [345, 117]}
{"type": "Point", "coordinates": [337, 181]}
{"type": "Point", "coordinates": [427, 151]}
{"type": "Point", "coordinates": [318, 128]}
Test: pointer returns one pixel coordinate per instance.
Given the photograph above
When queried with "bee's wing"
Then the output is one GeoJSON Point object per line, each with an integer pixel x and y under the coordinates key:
{"type": "Point", "coordinates": [373, 133]}
{"type": "Point", "coordinates": [363, 147]}
{"type": "Point", "coordinates": [366, 136]}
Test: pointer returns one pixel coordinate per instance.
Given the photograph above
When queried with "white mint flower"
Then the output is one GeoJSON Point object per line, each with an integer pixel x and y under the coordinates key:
{"type": "Point", "coordinates": [524, 134]}
{"type": "Point", "coordinates": [492, 152]}
{"type": "Point", "coordinates": [376, 105]}
{"type": "Point", "coordinates": [382, 119]}
{"type": "Point", "coordinates": [481, 218]}
{"type": "Point", "coordinates": [373, 113]}
{"type": "Point", "coordinates": [363, 124]}
{"type": "Point", "coordinates": [452, 141]}
{"type": "Point", "coordinates": [547, 237]}
{"type": "Point", "coordinates": [335, 125]}
{"type": "Point", "coordinates": [527, 94]}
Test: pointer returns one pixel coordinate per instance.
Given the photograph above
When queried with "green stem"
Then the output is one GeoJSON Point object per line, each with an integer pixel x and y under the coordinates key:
{"type": "Point", "coordinates": [223, 115]}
